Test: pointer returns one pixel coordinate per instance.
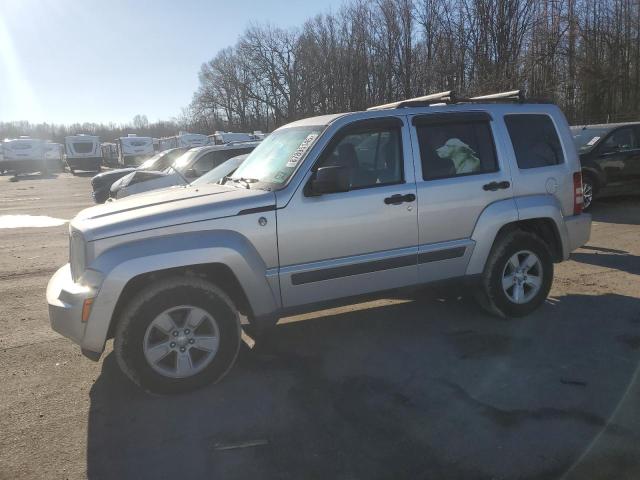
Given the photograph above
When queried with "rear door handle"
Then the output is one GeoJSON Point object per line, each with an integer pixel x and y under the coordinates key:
{"type": "Point", "coordinates": [397, 199]}
{"type": "Point", "coordinates": [493, 186]}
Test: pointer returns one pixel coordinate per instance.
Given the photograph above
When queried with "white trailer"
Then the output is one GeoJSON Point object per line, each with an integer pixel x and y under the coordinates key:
{"type": "Point", "coordinates": [133, 150]}
{"type": "Point", "coordinates": [23, 155]}
{"type": "Point", "coordinates": [83, 152]}
{"type": "Point", "coordinates": [184, 140]}
{"type": "Point", "coordinates": [221, 138]}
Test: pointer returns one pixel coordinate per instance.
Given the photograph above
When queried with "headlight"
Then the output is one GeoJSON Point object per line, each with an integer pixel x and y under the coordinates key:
{"type": "Point", "coordinates": [77, 254]}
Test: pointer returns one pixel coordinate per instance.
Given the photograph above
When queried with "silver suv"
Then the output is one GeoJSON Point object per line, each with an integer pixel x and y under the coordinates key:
{"type": "Point", "coordinates": [326, 208]}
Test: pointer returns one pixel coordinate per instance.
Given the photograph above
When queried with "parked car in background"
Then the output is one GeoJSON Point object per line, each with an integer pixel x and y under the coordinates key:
{"type": "Point", "coordinates": [134, 150]}
{"type": "Point", "coordinates": [83, 152]}
{"type": "Point", "coordinates": [186, 168]}
{"type": "Point", "coordinates": [610, 158]}
{"type": "Point", "coordinates": [54, 156]}
{"type": "Point", "coordinates": [102, 182]}
{"type": "Point", "coordinates": [183, 139]}
{"type": "Point", "coordinates": [325, 209]}
{"type": "Point", "coordinates": [23, 155]}
{"type": "Point", "coordinates": [220, 138]}
{"type": "Point", "coordinates": [220, 173]}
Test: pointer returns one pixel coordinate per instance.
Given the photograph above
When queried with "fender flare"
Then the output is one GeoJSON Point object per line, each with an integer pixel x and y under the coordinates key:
{"type": "Point", "coordinates": [503, 212]}
{"type": "Point", "coordinates": [126, 261]}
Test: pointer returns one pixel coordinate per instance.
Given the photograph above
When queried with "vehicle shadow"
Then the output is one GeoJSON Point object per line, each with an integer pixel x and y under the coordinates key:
{"type": "Point", "coordinates": [619, 260]}
{"type": "Point", "coordinates": [425, 388]}
{"type": "Point", "coordinates": [85, 174]}
{"type": "Point", "coordinates": [33, 176]}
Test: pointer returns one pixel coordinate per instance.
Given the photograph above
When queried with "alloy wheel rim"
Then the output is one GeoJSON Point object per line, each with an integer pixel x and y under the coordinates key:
{"type": "Point", "coordinates": [522, 277]}
{"type": "Point", "coordinates": [181, 341]}
{"type": "Point", "coordinates": [587, 194]}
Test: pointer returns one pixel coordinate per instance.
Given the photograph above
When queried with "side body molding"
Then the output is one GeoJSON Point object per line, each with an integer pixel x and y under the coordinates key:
{"type": "Point", "coordinates": [124, 262]}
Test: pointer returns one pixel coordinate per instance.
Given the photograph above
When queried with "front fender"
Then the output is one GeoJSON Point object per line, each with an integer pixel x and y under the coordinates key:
{"type": "Point", "coordinates": [124, 262]}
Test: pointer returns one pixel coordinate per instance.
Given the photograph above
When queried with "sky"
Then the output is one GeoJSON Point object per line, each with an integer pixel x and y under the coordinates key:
{"type": "Point", "coordinates": [67, 61]}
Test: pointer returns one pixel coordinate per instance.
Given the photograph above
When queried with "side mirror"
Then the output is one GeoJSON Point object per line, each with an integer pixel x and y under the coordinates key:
{"type": "Point", "coordinates": [330, 179]}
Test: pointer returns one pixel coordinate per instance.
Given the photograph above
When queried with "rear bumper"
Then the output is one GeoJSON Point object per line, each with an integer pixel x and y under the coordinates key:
{"type": "Point", "coordinates": [578, 230]}
{"type": "Point", "coordinates": [65, 299]}
{"type": "Point", "coordinates": [88, 163]}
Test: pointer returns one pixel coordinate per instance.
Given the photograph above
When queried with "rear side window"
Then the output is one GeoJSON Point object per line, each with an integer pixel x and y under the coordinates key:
{"type": "Point", "coordinates": [535, 140]}
{"type": "Point", "coordinates": [454, 149]}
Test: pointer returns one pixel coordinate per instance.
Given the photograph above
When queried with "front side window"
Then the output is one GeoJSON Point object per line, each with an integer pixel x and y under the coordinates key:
{"type": "Point", "coordinates": [535, 140]}
{"type": "Point", "coordinates": [373, 158]}
{"type": "Point", "coordinates": [454, 149]}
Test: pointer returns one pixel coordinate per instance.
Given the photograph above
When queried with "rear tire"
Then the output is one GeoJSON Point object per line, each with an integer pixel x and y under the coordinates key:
{"type": "Point", "coordinates": [165, 315]}
{"type": "Point", "coordinates": [517, 276]}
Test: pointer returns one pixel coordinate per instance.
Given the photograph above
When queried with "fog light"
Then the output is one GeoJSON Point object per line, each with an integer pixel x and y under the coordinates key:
{"type": "Point", "coordinates": [86, 309]}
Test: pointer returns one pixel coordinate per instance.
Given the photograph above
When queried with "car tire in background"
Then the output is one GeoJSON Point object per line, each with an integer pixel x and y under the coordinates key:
{"type": "Point", "coordinates": [517, 276]}
{"type": "Point", "coordinates": [178, 334]}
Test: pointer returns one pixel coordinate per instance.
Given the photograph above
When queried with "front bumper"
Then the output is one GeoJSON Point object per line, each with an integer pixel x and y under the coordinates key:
{"type": "Point", "coordinates": [578, 230]}
{"type": "Point", "coordinates": [65, 299]}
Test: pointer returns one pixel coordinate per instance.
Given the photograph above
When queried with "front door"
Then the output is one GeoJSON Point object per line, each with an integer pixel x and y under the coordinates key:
{"type": "Point", "coordinates": [359, 241]}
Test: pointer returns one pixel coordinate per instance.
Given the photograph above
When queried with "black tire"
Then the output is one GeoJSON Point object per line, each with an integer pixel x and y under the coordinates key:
{"type": "Point", "coordinates": [491, 295]}
{"type": "Point", "coordinates": [588, 184]}
{"type": "Point", "coordinates": [155, 299]}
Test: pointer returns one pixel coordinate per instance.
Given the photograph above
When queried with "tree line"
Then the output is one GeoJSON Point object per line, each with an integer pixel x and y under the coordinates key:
{"type": "Point", "coordinates": [582, 54]}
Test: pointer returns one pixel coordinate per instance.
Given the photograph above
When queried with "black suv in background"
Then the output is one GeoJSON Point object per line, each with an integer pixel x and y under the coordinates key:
{"type": "Point", "coordinates": [610, 158]}
{"type": "Point", "coordinates": [102, 182]}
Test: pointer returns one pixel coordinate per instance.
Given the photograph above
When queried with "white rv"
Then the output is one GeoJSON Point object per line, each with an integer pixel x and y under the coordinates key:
{"type": "Point", "coordinates": [184, 140]}
{"type": "Point", "coordinates": [54, 155]}
{"type": "Point", "coordinates": [82, 152]}
{"type": "Point", "coordinates": [133, 150]}
{"type": "Point", "coordinates": [221, 138]}
{"type": "Point", "coordinates": [23, 155]}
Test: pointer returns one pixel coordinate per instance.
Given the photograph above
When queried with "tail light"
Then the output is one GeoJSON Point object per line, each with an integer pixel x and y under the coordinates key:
{"type": "Point", "coordinates": [578, 199]}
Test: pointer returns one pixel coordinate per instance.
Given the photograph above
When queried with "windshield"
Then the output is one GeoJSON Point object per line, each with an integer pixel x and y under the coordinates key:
{"type": "Point", "coordinates": [149, 163]}
{"type": "Point", "coordinates": [586, 138]}
{"type": "Point", "coordinates": [183, 161]}
{"type": "Point", "coordinates": [221, 171]}
{"type": "Point", "coordinates": [276, 158]}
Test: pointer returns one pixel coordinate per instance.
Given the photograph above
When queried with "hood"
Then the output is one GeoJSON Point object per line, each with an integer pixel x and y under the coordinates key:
{"type": "Point", "coordinates": [164, 208]}
{"type": "Point", "coordinates": [110, 176]}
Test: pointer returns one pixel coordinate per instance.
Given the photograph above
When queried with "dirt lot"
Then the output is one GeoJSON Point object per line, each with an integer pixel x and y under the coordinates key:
{"type": "Point", "coordinates": [420, 387]}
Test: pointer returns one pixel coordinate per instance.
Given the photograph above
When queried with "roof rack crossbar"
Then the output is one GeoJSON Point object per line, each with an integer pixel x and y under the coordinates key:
{"type": "Point", "coordinates": [513, 95]}
{"type": "Point", "coordinates": [441, 97]}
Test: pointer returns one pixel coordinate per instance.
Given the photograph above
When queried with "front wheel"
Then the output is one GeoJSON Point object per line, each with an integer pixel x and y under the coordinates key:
{"type": "Point", "coordinates": [518, 275]}
{"type": "Point", "coordinates": [177, 335]}
{"type": "Point", "coordinates": [588, 191]}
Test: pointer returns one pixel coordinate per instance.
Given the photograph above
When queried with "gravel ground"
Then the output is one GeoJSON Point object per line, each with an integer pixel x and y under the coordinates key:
{"type": "Point", "coordinates": [424, 386]}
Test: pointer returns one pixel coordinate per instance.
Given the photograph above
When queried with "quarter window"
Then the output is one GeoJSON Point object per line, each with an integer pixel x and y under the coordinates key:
{"type": "Point", "coordinates": [535, 140]}
{"type": "Point", "coordinates": [373, 158]}
{"type": "Point", "coordinates": [456, 148]}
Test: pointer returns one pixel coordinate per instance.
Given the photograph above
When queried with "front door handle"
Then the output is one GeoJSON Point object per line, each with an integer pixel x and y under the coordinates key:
{"type": "Point", "coordinates": [397, 199]}
{"type": "Point", "coordinates": [493, 186]}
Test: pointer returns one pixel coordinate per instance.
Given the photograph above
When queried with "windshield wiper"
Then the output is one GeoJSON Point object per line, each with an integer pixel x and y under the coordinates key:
{"type": "Point", "coordinates": [246, 181]}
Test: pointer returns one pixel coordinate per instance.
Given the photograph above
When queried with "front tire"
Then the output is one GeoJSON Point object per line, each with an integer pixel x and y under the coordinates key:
{"type": "Point", "coordinates": [177, 335]}
{"type": "Point", "coordinates": [517, 276]}
{"type": "Point", "coordinates": [588, 191]}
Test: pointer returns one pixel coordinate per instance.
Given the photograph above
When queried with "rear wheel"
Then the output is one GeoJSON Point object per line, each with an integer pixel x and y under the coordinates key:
{"type": "Point", "coordinates": [518, 275]}
{"type": "Point", "coordinates": [177, 335]}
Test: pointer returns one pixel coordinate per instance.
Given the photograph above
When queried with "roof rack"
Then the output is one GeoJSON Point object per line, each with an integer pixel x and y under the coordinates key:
{"type": "Point", "coordinates": [442, 97]}
{"type": "Point", "coordinates": [450, 97]}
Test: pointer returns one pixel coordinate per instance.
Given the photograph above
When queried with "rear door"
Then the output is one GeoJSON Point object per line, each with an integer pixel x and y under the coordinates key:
{"type": "Point", "coordinates": [459, 172]}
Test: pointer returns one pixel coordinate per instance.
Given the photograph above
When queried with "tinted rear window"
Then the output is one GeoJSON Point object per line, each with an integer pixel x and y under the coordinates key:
{"type": "Point", "coordinates": [535, 140]}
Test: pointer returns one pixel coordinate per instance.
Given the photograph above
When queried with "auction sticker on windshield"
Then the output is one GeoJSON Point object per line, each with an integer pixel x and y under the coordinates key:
{"type": "Point", "coordinates": [295, 157]}
{"type": "Point", "coordinates": [593, 141]}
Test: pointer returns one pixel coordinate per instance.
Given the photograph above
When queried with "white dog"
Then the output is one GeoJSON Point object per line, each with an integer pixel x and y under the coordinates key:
{"type": "Point", "coordinates": [462, 155]}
